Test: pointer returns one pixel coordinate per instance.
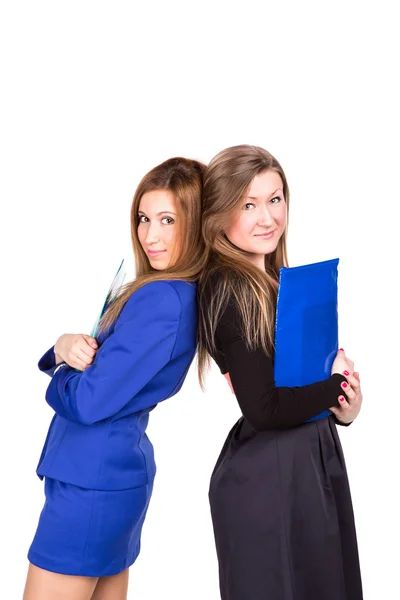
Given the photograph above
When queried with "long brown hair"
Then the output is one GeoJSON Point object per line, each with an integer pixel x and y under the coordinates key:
{"type": "Point", "coordinates": [226, 180]}
{"type": "Point", "coordinates": [184, 178]}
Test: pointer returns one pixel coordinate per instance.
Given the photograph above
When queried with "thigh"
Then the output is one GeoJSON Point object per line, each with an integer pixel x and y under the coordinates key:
{"type": "Point", "coordinates": [114, 587]}
{"type": "Point", "coordinates": [46, 585]}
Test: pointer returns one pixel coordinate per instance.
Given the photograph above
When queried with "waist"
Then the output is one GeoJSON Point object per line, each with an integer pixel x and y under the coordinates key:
{"type": "Point", "coordinates": [110, 455]}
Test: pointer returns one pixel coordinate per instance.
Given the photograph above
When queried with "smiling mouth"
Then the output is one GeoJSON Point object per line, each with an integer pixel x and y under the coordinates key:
{"type": "Point", "coordinates": [267, 234]}
{"type": "Point", "coordinates": [155, 252]}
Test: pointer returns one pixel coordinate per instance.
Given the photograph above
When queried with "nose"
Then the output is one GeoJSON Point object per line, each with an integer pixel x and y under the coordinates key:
{"type": "Point", "coordinates": [265, 217]}
{"type": "Point", "coordinates": [153, 234]}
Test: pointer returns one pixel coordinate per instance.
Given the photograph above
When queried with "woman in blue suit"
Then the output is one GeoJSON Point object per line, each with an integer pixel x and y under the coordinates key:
{"type": "Point", "coordinates": [97, 461]}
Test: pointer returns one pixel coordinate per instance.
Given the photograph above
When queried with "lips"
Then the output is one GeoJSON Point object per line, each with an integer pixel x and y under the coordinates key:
{"type": "Point", "coordinates": [154, 252]}
{"type": "Point", "coordinates": [266, 235]}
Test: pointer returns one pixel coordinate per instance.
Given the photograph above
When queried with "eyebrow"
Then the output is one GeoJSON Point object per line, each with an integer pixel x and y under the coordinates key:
{"type": "Point", "coordinates": [256, 197]}
{"type": "Point", "coordinates": [163, 212]}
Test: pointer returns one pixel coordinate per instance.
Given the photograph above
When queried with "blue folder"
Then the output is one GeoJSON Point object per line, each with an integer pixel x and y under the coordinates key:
{"type": "Point", "coordinates": [113, 291]}
{"type": "Point", "coordinates": [306, 328]}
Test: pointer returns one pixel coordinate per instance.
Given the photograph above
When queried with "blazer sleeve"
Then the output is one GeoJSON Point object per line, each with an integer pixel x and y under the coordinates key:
{"type": "Point", "coordinates": [47, 364]}
{"type": "Point", "coordinates": [139, 347]}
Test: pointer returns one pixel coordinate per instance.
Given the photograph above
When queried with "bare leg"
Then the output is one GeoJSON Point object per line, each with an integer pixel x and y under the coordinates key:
{"type": "Point", "coordinates": [45, 585]}
{"type": "Point", "coordinates": [114, 587]}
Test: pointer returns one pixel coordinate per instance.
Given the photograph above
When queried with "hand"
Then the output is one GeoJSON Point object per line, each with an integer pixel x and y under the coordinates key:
{"type": "Point", "coordinates": [350, 403]}
{"type": "Point", "coordinates": [76, 349]}
{"type": "Point", "coordinates": [342, 363]}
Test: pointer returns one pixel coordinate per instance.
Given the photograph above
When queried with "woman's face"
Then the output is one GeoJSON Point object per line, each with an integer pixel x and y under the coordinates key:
{"type": "Point", "coordinates": [261, 217]}
{"type": "Point", "coordinates": [157, 227]}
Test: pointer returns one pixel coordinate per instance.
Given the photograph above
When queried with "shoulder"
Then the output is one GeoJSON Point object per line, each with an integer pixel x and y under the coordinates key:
{"type": "Point", "coordinates": [214, 295]}
{"type": "Point", "coordinates": [210, 285]}
{"type": "Point", "coordinates": [154, 300]}
{"type": "Point", "coordinates": [185, 290]}
{"type": "Point", "coordinates": [217, 287]}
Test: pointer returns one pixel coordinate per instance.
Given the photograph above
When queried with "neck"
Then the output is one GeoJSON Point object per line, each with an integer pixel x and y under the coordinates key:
{"type": "Point", "coordinates": [258, 260]}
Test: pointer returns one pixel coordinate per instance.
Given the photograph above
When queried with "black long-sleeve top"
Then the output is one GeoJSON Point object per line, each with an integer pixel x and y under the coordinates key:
{"type": "Point", "coordinates": [263, 404]}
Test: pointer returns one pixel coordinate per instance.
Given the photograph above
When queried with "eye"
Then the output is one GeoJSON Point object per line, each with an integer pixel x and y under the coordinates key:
{"type": "Point", "coordinates": [170, 221]}
{"type": "Point", "coordinates": [249, 206]}
{"type": "Point", "coordinates": [275, 200]}
{"type": "Point", "coordinates": [142, 219]}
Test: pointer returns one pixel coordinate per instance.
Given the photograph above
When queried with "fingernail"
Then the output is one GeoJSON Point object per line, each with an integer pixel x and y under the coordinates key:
{"type": "Point", "coordinates": [346, 373]}
{"type": "Point", "coordinates": [342, 349]}
{"type": "Point", "coordinates": [344, 384]}
{"type": "Point", "coordinates": [341, 399]}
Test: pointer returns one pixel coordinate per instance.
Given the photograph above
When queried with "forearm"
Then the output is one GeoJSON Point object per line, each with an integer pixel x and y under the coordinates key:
{"type": "Point", "coordinates": [284, 408]}
{"type": "Point", "coordinates": [266, 406]}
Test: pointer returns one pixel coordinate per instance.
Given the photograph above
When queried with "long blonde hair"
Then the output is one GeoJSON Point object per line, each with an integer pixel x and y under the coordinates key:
{"type": "Point", "coordinates": [184, 178]}
{"type": "Point", "coordinates": [226, 180]}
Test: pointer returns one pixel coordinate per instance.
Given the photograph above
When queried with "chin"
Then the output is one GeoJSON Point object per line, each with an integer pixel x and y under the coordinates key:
{"type": "Point", "coordinates": [158, 265]}
{"type": "Point", "coordinates": [267, 248]}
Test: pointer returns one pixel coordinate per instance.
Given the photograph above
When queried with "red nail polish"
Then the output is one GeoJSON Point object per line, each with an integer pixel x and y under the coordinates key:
{"type": "Point", "coordinates": [342, 349]}
{"type": "Point", "coordinates": [344, 384]}
{"type": "Point", "coordinates": [341, 399]}
{"type": "Point", "coordinates": [346, 373]}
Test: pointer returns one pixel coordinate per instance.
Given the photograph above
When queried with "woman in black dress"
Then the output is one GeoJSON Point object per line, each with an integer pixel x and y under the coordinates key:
{"type": "Point", "coordinates": [279, 494]}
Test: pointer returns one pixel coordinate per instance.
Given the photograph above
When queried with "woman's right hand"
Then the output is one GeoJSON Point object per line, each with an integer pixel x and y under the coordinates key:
{"type": "Point", "coordinates": [342, 363]}
{"type": "Point", "coordinates": [76, 349]}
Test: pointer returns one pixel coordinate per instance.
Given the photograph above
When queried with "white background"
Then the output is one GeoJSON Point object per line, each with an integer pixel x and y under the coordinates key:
{"type": "Point", "coordinates": [93, 95]}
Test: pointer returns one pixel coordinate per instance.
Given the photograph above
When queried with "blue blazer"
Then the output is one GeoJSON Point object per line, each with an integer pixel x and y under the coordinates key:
{"type": "Point", "coordinates": [97, 438]}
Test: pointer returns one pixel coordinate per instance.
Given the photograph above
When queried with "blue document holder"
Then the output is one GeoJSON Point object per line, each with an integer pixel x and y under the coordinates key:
{"type": "Point", "coordinates": [112, 293]}
{"type": "Point", "coordinates": [306, 328]}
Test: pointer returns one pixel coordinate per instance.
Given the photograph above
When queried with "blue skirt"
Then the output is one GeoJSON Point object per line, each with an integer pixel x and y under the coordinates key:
{"type": "Point", "coordinates": [85, 532]}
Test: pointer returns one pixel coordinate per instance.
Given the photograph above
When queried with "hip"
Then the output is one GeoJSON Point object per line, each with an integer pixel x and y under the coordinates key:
{"type": "Point", "coordinates": [252, 456]}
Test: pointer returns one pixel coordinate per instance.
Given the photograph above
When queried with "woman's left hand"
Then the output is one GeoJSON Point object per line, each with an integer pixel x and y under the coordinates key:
{"type": "Point", "coordinates": [349, 404]}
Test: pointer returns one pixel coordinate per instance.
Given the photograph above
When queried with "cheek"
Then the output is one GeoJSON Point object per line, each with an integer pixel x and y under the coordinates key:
{"type": "Point", "coordinates": [282, 216]}
{"type": "Point", "coordinates": [169, 236]}
{"type": "Point", "coordinates": [239, 228]}
{"type": "Point", "coordinates": [141, 233]}
{"type": "Point", "coordinates": [246, 223]}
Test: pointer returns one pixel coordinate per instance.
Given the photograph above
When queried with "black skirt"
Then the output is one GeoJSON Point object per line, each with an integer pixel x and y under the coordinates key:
{"type": "Point", "coordinates": [283, 517]}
